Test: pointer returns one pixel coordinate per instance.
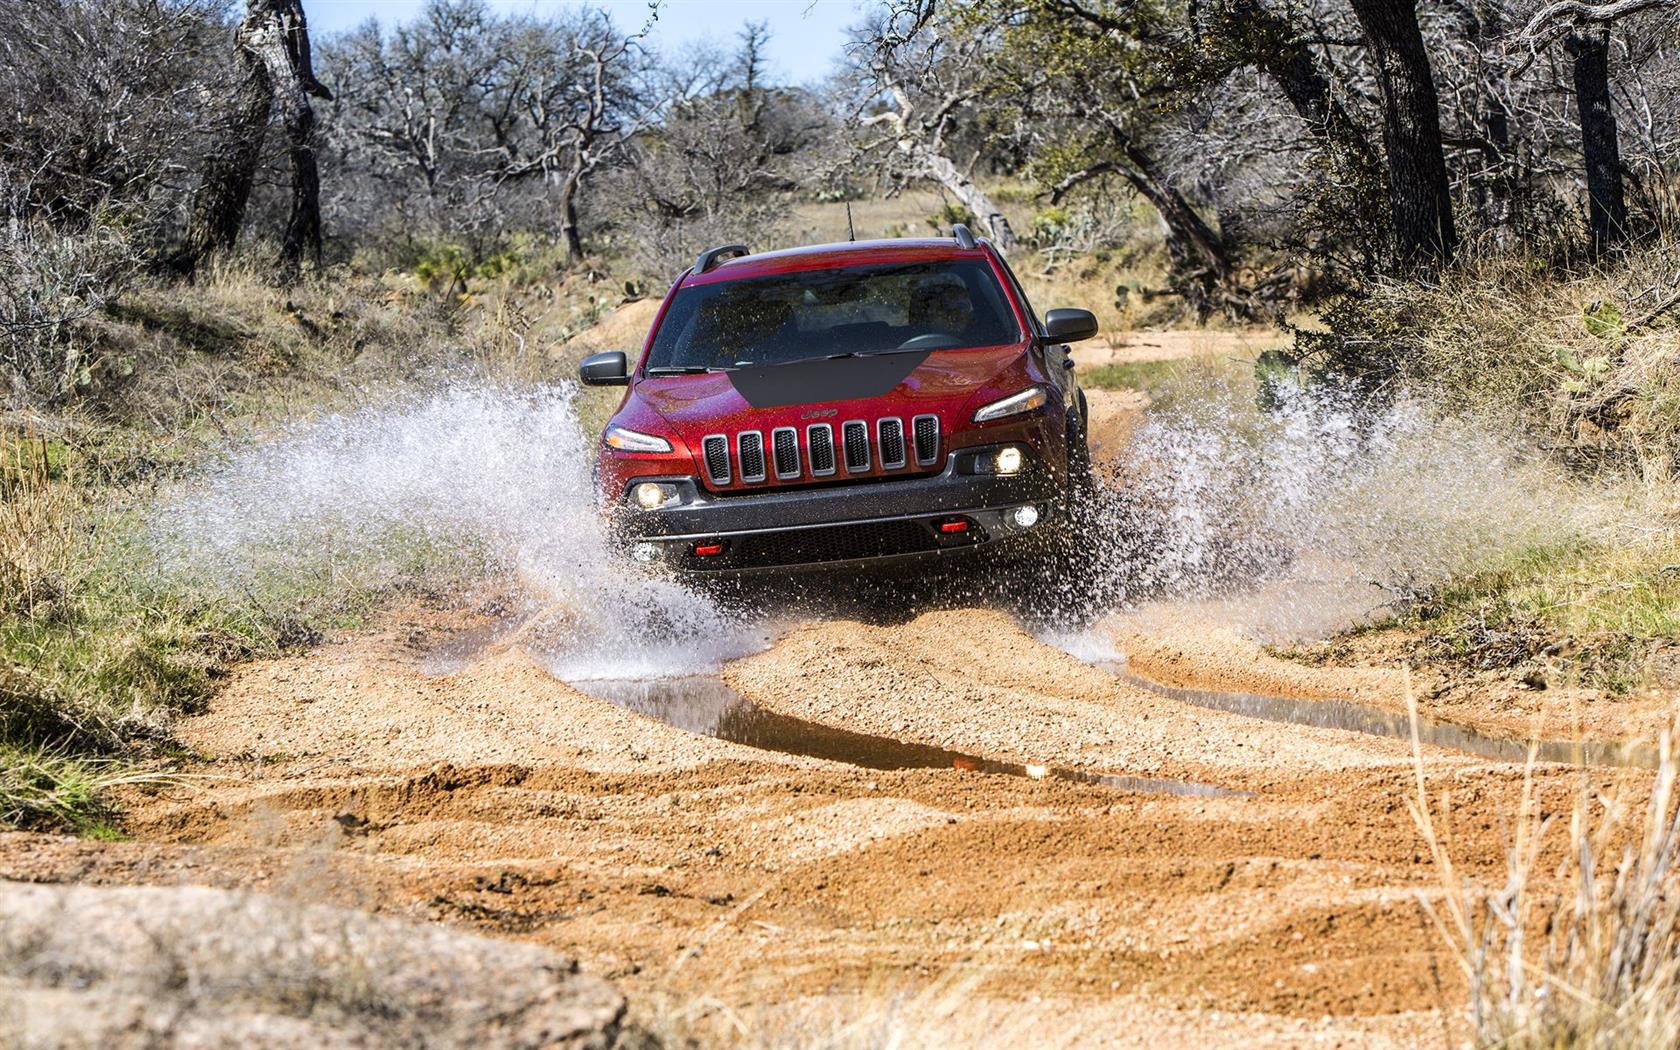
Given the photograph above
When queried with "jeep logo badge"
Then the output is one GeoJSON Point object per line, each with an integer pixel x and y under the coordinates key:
{"type": "Point", "coordinates": [820, 413]}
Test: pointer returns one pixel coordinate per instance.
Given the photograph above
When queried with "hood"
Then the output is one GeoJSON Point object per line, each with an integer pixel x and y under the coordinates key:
{"type": "Point", "coordinates": [913, 382]}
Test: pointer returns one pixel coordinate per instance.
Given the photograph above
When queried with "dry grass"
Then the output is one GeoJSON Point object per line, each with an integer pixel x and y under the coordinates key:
{"type": "Point", "coordinates": [1580, 947]}
{"type": "Point", "coordinates": [1588, 358]}
{"type": "Point", "coordinates": [99, 650]}
{"type": "Point", "coordinates": [37, 534]}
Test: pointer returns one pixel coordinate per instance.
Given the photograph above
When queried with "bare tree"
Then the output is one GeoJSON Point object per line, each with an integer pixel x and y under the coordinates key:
{"type": "Point", "coordinates": [102, 107]}
{"type": "Point", "coordinates": [724, 150]}
{"type": "Point", "coordinates": [273, 47]}
{"type": "Point", "coordinates": [917, 81]}
{"type": "Point", "coordinates": [467, 121]}
{"type": "Point", "coordinates": [1585, 31]}
{"type": "Point", "coordinates": [575, 107]}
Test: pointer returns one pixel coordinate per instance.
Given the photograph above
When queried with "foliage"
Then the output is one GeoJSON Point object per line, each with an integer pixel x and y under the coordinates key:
{"type": "Point", "coordinates": [1586, 357]}
{"type": "Point", "coordinates": [52, 283]}
{"type": "Point", "coordinates": [1599, 610]}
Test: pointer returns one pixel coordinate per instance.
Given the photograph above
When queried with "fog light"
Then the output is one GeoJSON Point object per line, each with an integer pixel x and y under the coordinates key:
{"type": "Point", "coordinates": [650, 495]}
{"type": "Point", "coordinates": [645, 552]}
{"type": "Point", "coordinates": [1008, 461]}
{"type": "Point", "coordinates": [1024, 517]}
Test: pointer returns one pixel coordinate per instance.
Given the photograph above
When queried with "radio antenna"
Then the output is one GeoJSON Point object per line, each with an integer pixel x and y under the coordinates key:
{"type": "Point", "coordinates": [851, 233]}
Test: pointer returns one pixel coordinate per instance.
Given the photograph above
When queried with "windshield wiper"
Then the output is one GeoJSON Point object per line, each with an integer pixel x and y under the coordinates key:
{"type": "Point", "coordinates": [869, 353]}
{"type": "Point", "coordinates": [682, 370]}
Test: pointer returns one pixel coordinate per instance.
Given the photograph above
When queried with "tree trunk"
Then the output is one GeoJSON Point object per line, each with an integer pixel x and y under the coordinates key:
{"type": "Point", "coordinates": [1606, 204]}
{"type": "Point", "coordinates": [273, 48]}
{"type": "Point", "coordinates": [1203, 273]}
{"type": "Point", "coordinates": [218, 209]}
{"type": "Point", "coordinates": [569, 232]}
{"type": "Point", "coordinates": [280, 39]}
{"type": "Point", "coordinates": [1420, 203]}
{"type": "Point", "coordinates": [987, 214]}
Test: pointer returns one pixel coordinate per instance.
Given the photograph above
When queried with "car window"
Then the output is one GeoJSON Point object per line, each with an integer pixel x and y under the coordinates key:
{"type": "Point", "coordinates": [780, 318]}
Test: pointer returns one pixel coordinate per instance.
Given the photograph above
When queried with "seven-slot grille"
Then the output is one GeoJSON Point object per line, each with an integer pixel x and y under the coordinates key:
{"type": "Point", "coordinates": [861, 448]}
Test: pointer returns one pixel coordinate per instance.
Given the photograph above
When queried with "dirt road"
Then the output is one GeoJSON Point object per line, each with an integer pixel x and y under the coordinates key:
{"type": "Point", "coordinates": [710, 878]}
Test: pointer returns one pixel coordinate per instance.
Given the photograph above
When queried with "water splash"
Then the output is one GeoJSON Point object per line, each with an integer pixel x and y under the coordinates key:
{"type": "Point", "coordinates": [1316, 510]}
{"type": "Point", "coordinates": [446, 490]}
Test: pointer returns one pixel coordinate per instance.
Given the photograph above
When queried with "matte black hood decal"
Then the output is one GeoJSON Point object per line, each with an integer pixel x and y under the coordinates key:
{"type": "Point", "coordinates": [825, 379]}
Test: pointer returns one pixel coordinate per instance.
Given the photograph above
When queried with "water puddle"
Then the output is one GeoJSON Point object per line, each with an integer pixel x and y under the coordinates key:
{"type": "Point", "coordinates": [1376, 721]}
{"type": "Point", "coordinates": [705, 705]}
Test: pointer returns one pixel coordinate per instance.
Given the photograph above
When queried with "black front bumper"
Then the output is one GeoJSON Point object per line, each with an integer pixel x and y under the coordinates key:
{"type": "Point", "coordinates": [866, 523]}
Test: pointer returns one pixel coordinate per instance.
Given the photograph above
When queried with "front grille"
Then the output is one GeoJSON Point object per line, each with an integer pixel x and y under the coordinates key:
{"type": "Point", "coordinates": [820, 438]}
{"type": "Point", "coordinates": [750, 445]}
{"type": "Point", "coordinates": [862, 447]}
{"type": "Point", "coordinates": [926, 429]}
{"type": "Point", "coordinates": [892, 443]}
{"type": "Point", "coordinates": [856, 436]}
{"type": "Point", "coordinates": [715, 447]}
{"type": "Point", "coordinates": [876, 539]}
{"type": "Point", "coordinates": [785, 446]}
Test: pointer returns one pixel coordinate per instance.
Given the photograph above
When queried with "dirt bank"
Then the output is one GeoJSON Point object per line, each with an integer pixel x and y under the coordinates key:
{"type": "Point", "coordinates": [188, 966]}
{"type": "Point", "coordinates": [1378, 668]}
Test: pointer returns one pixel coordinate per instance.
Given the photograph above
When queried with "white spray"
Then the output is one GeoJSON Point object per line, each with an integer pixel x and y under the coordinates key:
{"type": "Point", "coordinates": [470, 481]}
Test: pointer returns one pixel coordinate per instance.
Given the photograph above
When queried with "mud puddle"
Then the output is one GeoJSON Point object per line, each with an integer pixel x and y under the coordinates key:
{"type": "Point", "coordinates": [706, 705]}
{"type": "Point", "coordinates": [1376, 721]}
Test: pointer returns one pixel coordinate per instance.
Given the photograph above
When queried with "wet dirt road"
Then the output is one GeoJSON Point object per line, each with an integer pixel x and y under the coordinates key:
{"type": "Point", "coordinates": [730, 885]}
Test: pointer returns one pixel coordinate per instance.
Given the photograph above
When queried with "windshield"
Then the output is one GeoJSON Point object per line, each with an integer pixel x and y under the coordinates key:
{"type": "Point", "coordinates": [824, 313]}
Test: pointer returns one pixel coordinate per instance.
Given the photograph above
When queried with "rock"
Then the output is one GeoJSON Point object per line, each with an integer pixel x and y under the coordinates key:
{"type": "Point", "coordinates": [180, 967]}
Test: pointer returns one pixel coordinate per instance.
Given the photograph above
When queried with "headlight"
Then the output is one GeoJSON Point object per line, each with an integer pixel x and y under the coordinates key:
{"type": "Point", "coordinates": [1013, 405]}
{"type": "Point", "coordinates": [630, 441]}
{"type": "Point", "coordinates": [1007, 460]}
{"type": "Point", "coordinates": [651, 495]}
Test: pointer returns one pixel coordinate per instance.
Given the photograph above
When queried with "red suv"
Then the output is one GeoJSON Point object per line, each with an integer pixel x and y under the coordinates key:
{"type": "Point", "coordinates": [845, 403]}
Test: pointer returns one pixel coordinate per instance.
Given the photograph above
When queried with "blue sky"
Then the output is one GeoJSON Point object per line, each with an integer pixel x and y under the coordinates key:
{"type": "Point", "coordinates": [806, 35]}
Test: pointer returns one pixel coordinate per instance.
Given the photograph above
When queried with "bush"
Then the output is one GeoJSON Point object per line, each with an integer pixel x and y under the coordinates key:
{"type": "Point", "coordinates": [1589, 359]}
{"type": "Point", "coordinates": [51, 285]}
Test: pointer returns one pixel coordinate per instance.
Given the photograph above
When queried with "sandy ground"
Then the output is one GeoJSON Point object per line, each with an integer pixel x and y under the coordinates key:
{"type": "Point", "coordinates": [717, 883]}
{"type": "Point", "coordinates": [738, 893]}
{"type": "Point", "coordinates": [1135, 347]}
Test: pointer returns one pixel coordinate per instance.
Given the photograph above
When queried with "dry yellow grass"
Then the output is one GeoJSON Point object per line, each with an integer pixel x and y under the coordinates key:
{"type": "Point", "coordinates": [1579, 949]}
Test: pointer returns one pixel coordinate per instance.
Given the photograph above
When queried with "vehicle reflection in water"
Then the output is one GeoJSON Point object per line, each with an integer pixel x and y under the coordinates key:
{"type": "Point", "coordinates": [705, 705]}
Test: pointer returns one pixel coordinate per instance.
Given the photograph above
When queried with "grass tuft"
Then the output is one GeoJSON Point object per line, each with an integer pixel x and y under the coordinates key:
{"type": "Point", "coordinates": [48, 790]}
{"type": "Point", "coordinates": [1601, 610]}
{"type": "Point", "coordinates": [1579, 949]}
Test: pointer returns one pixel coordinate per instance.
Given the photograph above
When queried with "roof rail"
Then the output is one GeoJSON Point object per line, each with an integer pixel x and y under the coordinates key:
{"type": "Point", "coordinates": [964, 238]}
{"type": "Point", "coordinates": [712, 256]}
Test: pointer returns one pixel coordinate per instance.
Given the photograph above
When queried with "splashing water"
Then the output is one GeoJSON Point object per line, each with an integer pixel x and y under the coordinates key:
{"type": "Point", "coordinates": [1285, 522]}
{"type": "Point", "coordinates": [443, 490]}
{"type": "Point", "coordinates": [1318, 510]}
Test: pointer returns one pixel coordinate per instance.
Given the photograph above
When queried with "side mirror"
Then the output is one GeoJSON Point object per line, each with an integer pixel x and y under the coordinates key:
{"type": "Point", "coordinates": [609, 369]}
{"type": "Point", "coordinates": [1068, 325]}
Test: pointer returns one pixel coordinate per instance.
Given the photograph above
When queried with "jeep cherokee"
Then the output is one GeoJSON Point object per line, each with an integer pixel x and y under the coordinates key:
{"type": "Point", "coordinates": [865, 402]}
